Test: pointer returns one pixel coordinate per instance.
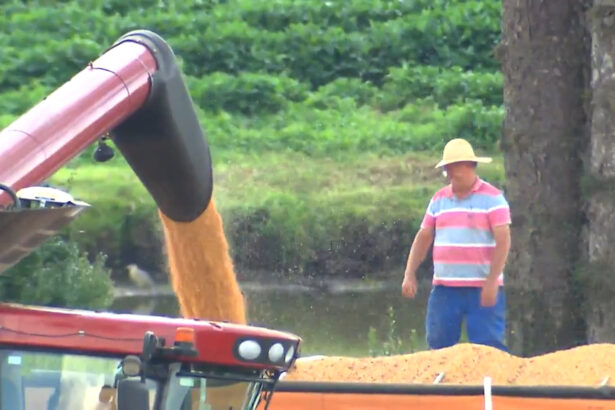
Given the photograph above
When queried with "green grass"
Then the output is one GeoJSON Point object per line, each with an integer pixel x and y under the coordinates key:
{"type": "Point", "coordinates": [248, 180]}
{"type": "Point", "coordinates": [112, 189]}
{"type": "Point", "coordinates": [363, 183]}
{"type": "Point", "coordinates": [283, 211]}
{"type": "Point", "coordinates": [244, 178]}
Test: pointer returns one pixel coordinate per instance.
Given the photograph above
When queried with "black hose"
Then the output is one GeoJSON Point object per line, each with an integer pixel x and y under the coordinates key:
{"type": "Point", "coordinates": [12, 194]}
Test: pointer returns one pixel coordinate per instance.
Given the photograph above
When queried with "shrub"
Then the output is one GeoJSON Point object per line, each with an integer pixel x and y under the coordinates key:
{"type": "Point", "coordinates": [18, 101]}
{"type": "Point", "coordinates": [312, 42]}
{"type": "Point", "coordinates": [51, 63]}
{"type": "Point", "coordinates": [392, 345]}
{"type": "Point", "coordinates": [246, 93]}
{"type": "Point", "coordinates": [344, 127]}
{"type": "Point", "coordinates": [328, 95]}
{"type": "Point", "coordinates": [58, 274]}
{"type": "Point", "coordinates": [406, 84]}
{"type": "Point", "coordinates": [337, 234]}
{"type": "Point", "coordinates": [350, 15]}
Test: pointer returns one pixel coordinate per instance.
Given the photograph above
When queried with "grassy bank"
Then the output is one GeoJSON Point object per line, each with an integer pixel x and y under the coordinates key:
{"type": "Point", "coordinates": [285, 212]}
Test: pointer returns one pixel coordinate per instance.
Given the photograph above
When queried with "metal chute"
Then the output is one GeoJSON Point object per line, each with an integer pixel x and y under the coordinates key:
{"type": "Point", "coordinates": [40, 212]}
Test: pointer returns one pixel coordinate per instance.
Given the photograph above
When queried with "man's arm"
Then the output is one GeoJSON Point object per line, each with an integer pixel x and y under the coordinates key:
{"type": "Point", "coordinates": [501, 234]}
{"type": "Point", "coordinates": [418, 251]}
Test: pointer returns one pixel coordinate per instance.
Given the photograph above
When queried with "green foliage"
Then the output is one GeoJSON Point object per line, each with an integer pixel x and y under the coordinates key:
{"type": "Point", "coordinates": [346, 128]}
{"type": "Point", "coordinates": [478, 124]}
{"type": "Point", "coordinates": [58, 274]}
{"type": "Point", "coordinates": [21, 99]}
{"type": "Point", "coordinates": [275, 234]}
{"type": "Point", "coordinates": [405, 85]}
{"type": "Point", "coordinates": [313, 42]}
{"type": "Point", "coordinates": [329, 95]}
{"type": "Point", "coordinates": [317, 53]}
{"type": "Point", "coordinates": [6, 119]}
{"type": "Point", "coordinates": [47, 44]}
{"type": "Point", "coordinates": [51, 62]}
{"type": "Point", "coordinates": [392, 344]}
{"type": "Point", "coordinates": [351, 15]}
{"type": "Point", "coordinates": [414, 343]}
{"type": "Point", "coordinates": [374, 344]}
{"type": "Point", "coordinates": [246, 93]}
{"type": "Point", "coordinates": [122, 221]}
{"type": "Point", "coordinates": [342, 216]}
{"type": "Point", "coordinates": [251, 65]}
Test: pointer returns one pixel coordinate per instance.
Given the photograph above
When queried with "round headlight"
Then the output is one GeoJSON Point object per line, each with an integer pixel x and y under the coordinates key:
{"type": "Point", "coordinates": [249, 350]}
{"type": "Point", "coordinates": [289, 354]}
{"type": "Point", "coordinates": [276, 352]}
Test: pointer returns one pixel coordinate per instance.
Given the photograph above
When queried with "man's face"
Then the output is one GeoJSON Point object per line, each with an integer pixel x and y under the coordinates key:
{"type": "Point", "coordinates": [458, 170]}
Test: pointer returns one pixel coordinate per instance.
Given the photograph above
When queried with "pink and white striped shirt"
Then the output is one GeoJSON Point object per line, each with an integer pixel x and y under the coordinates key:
{"type": "Point", "coordinates": [464, 242]}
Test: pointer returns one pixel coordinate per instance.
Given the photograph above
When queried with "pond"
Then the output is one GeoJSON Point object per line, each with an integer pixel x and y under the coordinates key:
{"type": "Point", "coordinates": [341, 318]}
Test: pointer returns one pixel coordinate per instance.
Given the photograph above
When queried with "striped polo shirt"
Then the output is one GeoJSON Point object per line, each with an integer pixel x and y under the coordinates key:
{"type": "Point", "coordinates": [464, 242]}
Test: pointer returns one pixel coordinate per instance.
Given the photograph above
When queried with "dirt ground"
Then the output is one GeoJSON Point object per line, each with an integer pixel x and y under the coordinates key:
{"type": "Point", "coordinates": [469, 364]}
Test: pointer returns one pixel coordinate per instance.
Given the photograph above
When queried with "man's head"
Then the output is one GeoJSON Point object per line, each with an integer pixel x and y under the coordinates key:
{"type": "Point", "coordinates": [459, 160]}
{"type": "Point", "coordinates": [459, 150]}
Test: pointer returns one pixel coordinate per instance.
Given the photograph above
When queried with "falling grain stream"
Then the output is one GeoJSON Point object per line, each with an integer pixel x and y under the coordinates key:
{"type": "Point", "coordinates": [201, 269]}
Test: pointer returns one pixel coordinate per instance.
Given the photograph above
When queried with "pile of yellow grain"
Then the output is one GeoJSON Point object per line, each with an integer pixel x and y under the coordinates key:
{"type": "Point", "coordinates": [468, 364]}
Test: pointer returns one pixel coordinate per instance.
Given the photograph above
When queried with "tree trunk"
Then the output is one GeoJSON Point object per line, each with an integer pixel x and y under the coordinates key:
{"type": "Point", "coordinates": [545, 54]}
{"type": "Point", "coordinates": [599, 277]}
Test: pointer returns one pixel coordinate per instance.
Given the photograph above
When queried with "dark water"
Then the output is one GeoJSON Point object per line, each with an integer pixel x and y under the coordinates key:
{"type": "Point", "coordinates": [332, 320]}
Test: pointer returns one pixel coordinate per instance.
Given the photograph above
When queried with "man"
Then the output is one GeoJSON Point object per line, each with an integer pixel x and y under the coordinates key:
{"type": "Point", "coordinates": [468, 224]}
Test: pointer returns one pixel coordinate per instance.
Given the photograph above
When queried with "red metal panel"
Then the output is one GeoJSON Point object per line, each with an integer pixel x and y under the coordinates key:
{"type": "Point", "coordinates": [121, 334]}
{"type": "Point", "coordinates": [358, 401]}
{"type": "Point", "coordinates": [57, 129]}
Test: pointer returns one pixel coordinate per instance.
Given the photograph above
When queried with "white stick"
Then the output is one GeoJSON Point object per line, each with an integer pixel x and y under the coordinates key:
{"type": "Point", "coordinates": [439, 378]}
{"type": "Point", "coordinates": [487, 387]}
{"type": "Point", "coordinates": [605, 381]}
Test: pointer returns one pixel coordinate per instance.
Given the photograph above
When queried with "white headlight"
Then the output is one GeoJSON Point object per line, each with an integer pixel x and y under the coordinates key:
{"type": "Point", "coordinates": [276, 352]}
{"type": "Point", "coordinates": [249, 350]}
{"type": "Point", "coordinates": [289, 354]}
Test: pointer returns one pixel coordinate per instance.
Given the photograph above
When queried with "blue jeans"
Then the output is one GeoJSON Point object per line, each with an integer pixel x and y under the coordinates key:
{"type": "Point", "coordinates": [448, 306]}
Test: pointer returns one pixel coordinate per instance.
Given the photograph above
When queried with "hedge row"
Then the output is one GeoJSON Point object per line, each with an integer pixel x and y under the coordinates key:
{"type": "Point", "coordinates": [328, 122]}
{"type": "Point", "coordinates": [253, 93]}
{"type": "Point", "coordinates": [52, 43]}
{"type": "Point", "coordinates": [345, 127]}
{"type": "Point", "coordinates": [257, 94]}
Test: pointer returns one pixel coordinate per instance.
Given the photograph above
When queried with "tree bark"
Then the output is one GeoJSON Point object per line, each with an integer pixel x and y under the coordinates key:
{"type": "Point", "coordinates": [545, 54]}
{"type": "Point", "coordinates": [598, 273]}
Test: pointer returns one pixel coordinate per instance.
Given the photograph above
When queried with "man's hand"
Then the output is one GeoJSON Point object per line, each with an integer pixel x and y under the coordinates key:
{"type": "Point", "coordinates": [408, 286]}
{"type": "Point", "coordinates": [421, 244]}
{"type": "Point", "coordinates": [489, 293]}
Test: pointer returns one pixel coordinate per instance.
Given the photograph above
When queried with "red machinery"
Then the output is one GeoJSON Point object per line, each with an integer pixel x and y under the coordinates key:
{"type": "Point", "coordinates": [68, 359]}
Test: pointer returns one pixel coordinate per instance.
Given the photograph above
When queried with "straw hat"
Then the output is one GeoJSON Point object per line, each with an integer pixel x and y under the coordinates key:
{"type": "Point", "coordinates": [459, 150]}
